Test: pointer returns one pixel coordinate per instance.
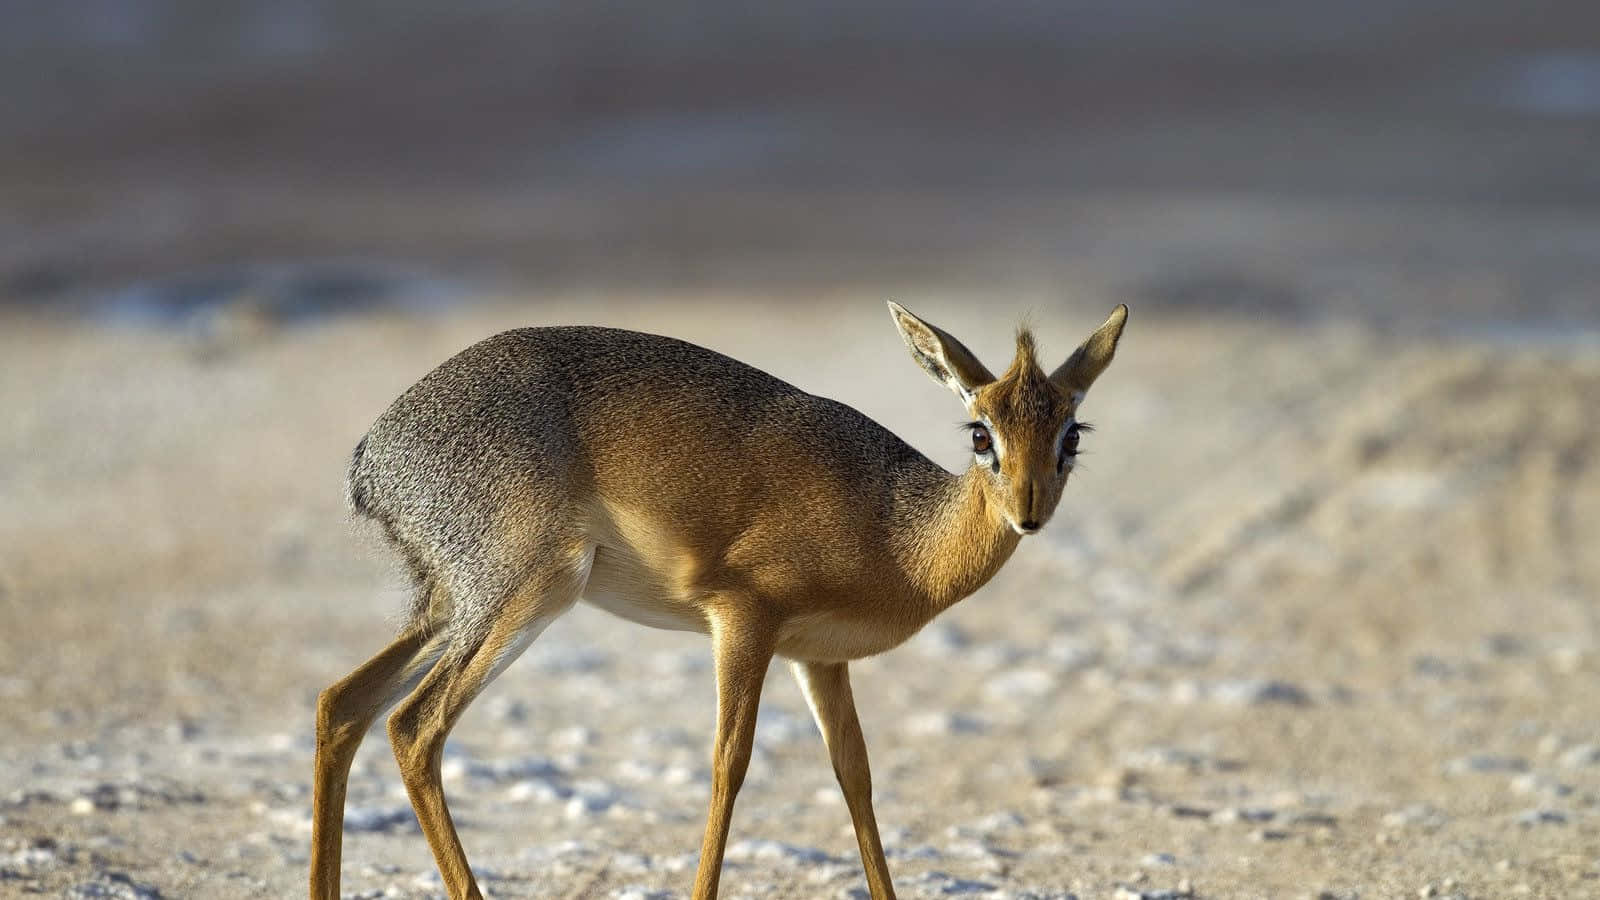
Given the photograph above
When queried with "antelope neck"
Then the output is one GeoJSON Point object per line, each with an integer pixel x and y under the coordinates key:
{"type": "Point", "coordinates": [957, 538]}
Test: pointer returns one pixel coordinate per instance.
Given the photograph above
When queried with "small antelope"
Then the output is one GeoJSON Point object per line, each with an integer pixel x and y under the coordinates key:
{"type": "Point", "coordinates": [681, 489]}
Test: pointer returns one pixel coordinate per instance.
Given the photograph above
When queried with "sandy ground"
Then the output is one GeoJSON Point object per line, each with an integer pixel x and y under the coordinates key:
{"type": "Point", "coordinates": [1316, 619]}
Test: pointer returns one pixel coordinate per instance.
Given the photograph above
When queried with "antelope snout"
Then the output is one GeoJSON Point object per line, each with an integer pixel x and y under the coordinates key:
{"type": "Point", "coordinates": [1024, 516]}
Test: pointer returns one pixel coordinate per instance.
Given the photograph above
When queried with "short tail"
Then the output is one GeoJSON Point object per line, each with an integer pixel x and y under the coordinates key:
{"type": "Point", "coordinates": [357, 495]}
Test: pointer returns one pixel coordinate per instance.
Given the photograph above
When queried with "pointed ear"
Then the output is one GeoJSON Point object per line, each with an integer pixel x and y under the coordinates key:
{"type": "Point", "coordinates": [1091, 358]}
{"type": "Point", "coordinates": [940, 355]}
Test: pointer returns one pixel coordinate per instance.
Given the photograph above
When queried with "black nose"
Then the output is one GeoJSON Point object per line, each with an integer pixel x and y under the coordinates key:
{"type": "Point", "coordinates": [1030, 525]}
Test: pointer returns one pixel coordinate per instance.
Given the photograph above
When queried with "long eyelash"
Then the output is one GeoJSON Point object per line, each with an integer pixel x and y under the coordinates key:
{"type": "Point", "coordinates": [1085, 426]}
{"type": "Point", "coordinates": [968, 426]}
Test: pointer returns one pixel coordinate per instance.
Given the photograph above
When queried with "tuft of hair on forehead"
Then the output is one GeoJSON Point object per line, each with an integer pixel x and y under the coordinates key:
{"type": "Point", "coordinates": [1024, 390]}
{"type": "Point", "coordinates": [1026, 361]}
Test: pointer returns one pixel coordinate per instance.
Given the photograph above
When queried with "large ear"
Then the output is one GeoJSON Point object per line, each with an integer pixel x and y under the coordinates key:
{"type": "Point", "coordinates": [1091, 358]}
{"type": "Point", "coordinates": [940, 355]}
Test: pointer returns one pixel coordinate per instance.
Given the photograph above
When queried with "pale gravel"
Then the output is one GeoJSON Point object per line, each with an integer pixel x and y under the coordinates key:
{"type": "Point", "coordinates": [1253, 656]}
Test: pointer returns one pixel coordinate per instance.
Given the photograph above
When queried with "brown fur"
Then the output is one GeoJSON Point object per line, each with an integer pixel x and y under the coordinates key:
{"type": "Point", "coordinates": [677, 487]}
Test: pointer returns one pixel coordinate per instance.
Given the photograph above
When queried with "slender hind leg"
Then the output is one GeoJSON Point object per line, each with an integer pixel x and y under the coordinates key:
{"type": "Point", "coordinates": [418, 728]}
{"type": "Point", "coordinates": [344, 713]}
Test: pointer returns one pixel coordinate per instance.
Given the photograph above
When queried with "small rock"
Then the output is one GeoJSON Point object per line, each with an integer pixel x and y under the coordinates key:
{"type": "Point", "coordinates": [283, 742]}
{"type": "Point", "coordinates": [568, 851]}
{"type": "Point", "coordinates": [1160, 757]}
{"type": "Point", "coordinates": [757, 850]}
{"type": "Point", "coordinates": [678, 776]}
{"type": "Point", "coordinates": [942, 639]}
{"type": "Point", "coordinates": [836, 871]}
{"type": "Point", "coordinates": [678, 663]}
{"type": "Point", "coordinates": [640, 771]}
{"type": "Point", "coordinates": [1000, 821]}
{"type": "Point", "coordinates": [992, 656]}
{"type": "Point", "coordinates": [978, 850]}
{"type": "Point", "coordinates": [1256, 692]}
{"type": "Point", "coordinates": [631, 862]}
{"type": "Point", "coordinates": [565, 659]}
{"type": "Point", "coordinates": [931, 724]}
{"type": "Point", "coordinates": [682, 862]}
{"type": "Point", "coordinates": [115, 885]}
{"type": "Point", "coordinates": [1231, 814]}
{"type": "Point", "coordinates": [573, 736]}
{"type": "Point", "coordinates": [776, 727]}
{"type": "Point", "coordinates": [1502, 644]}
{"type": "Point", "coordinates": [184, 730]}
{"type": "Point", "coordinates": [507, 709]}
{"type": "Point", "coordinates": [538, 790]}
{"type": "Point", "coordinates": [1071, 654]}
{"type": "Point", "coordinates": [1550, 745]}
{"type": "Point", "coordinates": [1485, 762]}
{"type": "Point", "coordinates": [941, 883]}
{"type": "Point", "coordinates": [1532, 817]}
{"type": "Point", "coordinates": [1429, 666]}
{"type": "Point", "coordinates": [40, 853]}
{"type": "Point", "coordinates": [379, 820]}
{"type": "Point", "coordinates": [1581, 756]}
{"type": "Point", "coordinates": [1533, 783]}
{"type": "Point", "coordinates": [591, 798]}
{"type": "Point", "coordinates": [1568, 660]}
{"type": "Point", "coordinates": [1126, 892]}
{"type": "Point", "coordinates": [454, 767]}
{"type": "Point", "coordinates": [518, 768]}
{"type": "Point", "coordinates": [1416, 815]}
{"type": "Point", "coordinates": [634, 892]}
{"type": "Point", "coordinates": [1312, 818]}
{"type": "Point", "coordinates": [663, 737]}
{"type": "Point", "coordinates": [922, 851]}
{"type": "Point", "coordinates": [1016, 683]}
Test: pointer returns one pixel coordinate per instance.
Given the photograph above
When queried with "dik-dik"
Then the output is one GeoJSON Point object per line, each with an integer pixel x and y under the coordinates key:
{"type": "Point", "coordinates": [678, 488]}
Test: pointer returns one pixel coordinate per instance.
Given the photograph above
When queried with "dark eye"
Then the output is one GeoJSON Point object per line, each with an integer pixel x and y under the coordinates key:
{"type": "Point", "coordinates": [981, 442]}
{"type": "Point", "coordinates": [1069, 444]}
{"type": "Point", "coordinates": [1069, 441]}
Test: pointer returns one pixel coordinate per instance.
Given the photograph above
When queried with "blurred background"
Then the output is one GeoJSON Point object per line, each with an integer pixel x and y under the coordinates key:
{"type": "Point", "coordinates": [1295, 158]}
{"type": "Point", "coordinates": [1316, 618]}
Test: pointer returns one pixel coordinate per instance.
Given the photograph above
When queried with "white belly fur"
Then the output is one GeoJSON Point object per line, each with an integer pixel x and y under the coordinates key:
{"type": "Point", "coordinates": [826, 637]}
{"type": "Point", "coordinates": [622, 585]}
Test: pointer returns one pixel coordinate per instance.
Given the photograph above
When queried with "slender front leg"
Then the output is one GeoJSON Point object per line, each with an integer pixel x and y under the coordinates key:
{"type": "Point", "coordinates": [743, 649]}
{"type": "Point", "coordinates": [827, 690]}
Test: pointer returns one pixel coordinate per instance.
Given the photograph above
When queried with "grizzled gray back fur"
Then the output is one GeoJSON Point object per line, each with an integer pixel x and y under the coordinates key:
{"type": "Point", "coordinates": [509, 427]}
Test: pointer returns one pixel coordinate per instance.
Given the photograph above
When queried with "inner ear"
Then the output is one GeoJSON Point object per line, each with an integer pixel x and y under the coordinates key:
{"type": "Point", "coordinates": [944, 358]}
{"type": "Point", "coordinates": [1092, 356]}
